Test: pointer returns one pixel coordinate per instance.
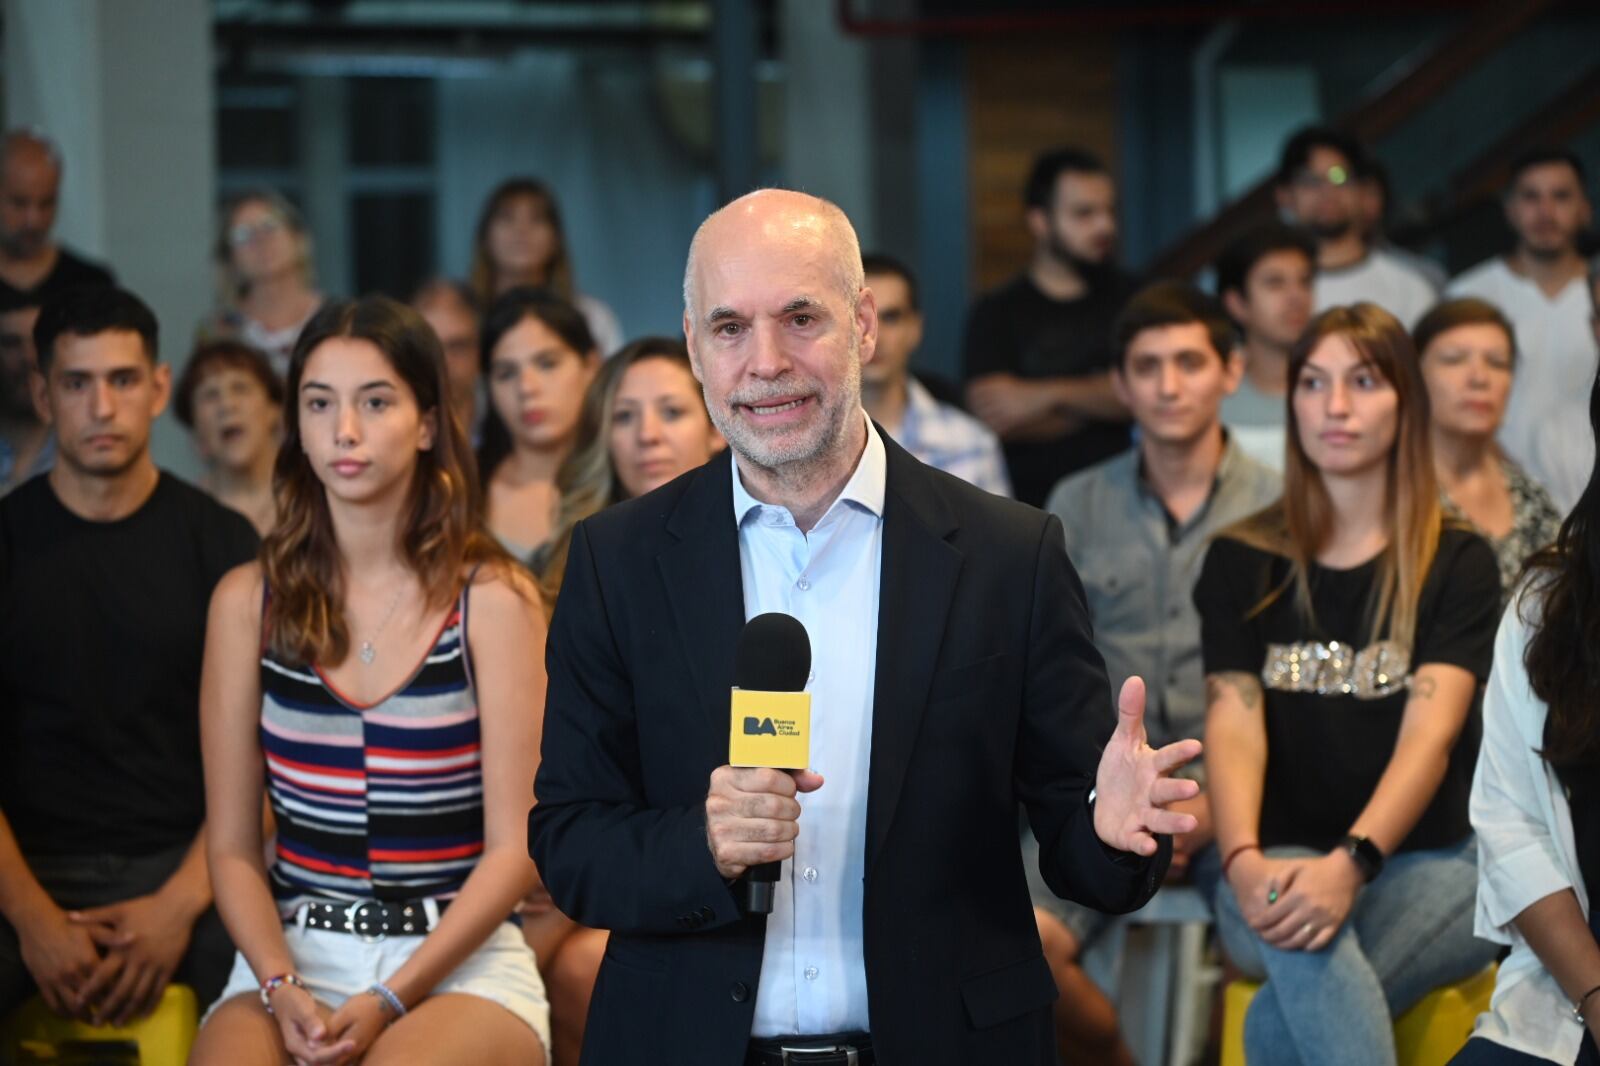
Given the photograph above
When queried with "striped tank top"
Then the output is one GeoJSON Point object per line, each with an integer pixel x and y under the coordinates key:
{"type": "Point", "coordinates": [383, 801]}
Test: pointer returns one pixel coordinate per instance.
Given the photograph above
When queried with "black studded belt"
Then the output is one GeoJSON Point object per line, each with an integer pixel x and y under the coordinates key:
{"type": "Point", "coordinates": [373, 920]}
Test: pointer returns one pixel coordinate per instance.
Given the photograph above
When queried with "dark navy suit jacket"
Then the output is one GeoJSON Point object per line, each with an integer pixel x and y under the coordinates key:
{"type": "Point", "coordinates": [989, 692]}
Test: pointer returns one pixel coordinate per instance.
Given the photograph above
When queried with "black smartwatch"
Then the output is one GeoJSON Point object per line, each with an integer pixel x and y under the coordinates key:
{"type": "Point", "coordinates": [1364, 853]}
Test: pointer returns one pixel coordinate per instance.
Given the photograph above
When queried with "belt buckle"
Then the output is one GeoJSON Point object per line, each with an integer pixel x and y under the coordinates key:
{"type": "Point", "coordinates": [851, 1055]}
{"type": "Point", "coordinates": [352, 914]}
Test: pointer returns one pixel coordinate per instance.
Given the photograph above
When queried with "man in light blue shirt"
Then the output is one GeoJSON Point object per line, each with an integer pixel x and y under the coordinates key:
{"type": "Point", "coordinates": [940, 434]}
{"type": "Point", "coordinates": [812, 978]}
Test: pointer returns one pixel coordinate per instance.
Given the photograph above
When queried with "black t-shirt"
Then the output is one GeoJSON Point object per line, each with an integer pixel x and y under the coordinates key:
{"type": "Point", "coordinates": [1017, 329]}
{"type": "Point", "coordinates": [1327, 750]}
{"type": "Point", "coordinates": [70, 272]}
{"type": "Point", "coordinates": [102, 626]}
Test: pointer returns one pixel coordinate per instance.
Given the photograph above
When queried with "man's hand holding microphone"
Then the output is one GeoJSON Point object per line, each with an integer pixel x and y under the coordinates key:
{"type": "Point", "coordinates": [752, 816]}
{"type": "Point", "coordinates": [752, 809]}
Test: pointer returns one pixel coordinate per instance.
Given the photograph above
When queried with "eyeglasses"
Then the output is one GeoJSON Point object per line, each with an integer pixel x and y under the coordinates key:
{"type": "Point", "coordinates": [245, 232]}
{"type": "Point", "coordinates": [1334, 176]}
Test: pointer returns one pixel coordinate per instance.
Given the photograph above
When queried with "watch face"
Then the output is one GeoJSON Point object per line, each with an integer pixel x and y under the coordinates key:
{"type": "Point", "coordinates": [1366, 855]}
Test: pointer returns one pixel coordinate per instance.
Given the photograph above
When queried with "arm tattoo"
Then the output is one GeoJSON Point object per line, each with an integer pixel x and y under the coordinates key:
{"type": "Point", "coordinates": [1247, 686]}
{"type": "Point", "coordinates": [1423, 688]}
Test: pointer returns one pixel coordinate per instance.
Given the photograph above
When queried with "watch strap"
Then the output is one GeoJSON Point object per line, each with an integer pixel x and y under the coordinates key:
{"type": "Point", "coordinates": [1365, 854]}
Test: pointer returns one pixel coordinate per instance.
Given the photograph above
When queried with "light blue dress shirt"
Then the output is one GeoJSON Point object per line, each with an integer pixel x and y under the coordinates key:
{"type": "Point", "coordinates": [813, 977]}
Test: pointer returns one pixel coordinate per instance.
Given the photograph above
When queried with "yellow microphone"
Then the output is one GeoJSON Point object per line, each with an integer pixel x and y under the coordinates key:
{"type": "Point", "coordinates": [770, 719]}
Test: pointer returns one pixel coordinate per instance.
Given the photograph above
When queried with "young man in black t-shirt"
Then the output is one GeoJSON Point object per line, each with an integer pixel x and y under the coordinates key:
{"type": "Point", "coordinates": [33, 267]}
{"type": "Point", "coordinates": [1037, 352]}
{"type": "Point", "coordinates": [106, 570]}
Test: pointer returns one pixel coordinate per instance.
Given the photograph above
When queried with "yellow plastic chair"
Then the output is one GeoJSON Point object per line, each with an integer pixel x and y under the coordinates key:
{"type": "Point", "coordinates": [1428, 1034]}
{"type": "Point", "coordinates": [164, 1037]}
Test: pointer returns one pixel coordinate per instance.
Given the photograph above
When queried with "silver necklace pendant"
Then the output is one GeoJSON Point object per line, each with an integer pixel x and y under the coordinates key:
{"type": "Point", "coordinates": [367, 652]}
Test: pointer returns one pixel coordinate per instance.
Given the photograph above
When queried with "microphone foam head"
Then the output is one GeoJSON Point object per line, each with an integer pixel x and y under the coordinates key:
{"type": "Point", "coordinates": [773, 654]}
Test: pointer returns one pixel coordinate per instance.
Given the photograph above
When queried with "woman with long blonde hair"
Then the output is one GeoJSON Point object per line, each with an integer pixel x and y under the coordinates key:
{"type": "Point", "coordinates": [379, 674]}
{"type": "Point", "coordinates": [1346, 634]}
{"type": "Point", "coordinates": [644, 422]}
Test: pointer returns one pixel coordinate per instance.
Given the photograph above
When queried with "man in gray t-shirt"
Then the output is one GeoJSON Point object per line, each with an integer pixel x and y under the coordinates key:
{"type": "Point", "coordinates": [1137, 526]}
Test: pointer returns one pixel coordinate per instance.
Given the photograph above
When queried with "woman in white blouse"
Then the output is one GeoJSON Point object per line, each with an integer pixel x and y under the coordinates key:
{"type": "Point", "coordinates": [1536, 806]}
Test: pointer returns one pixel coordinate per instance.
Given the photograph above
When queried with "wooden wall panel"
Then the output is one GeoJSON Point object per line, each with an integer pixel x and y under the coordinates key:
{"type": "Point", "coordinates": [1024, 96]}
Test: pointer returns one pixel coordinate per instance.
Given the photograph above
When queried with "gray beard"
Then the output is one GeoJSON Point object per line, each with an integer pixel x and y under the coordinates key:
{"type": "Point", "coordinates": [797, 459]}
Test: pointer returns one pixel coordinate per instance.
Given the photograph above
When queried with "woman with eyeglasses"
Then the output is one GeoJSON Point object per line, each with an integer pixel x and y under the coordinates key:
{"type": "Point", "coordinates": [268, 286]}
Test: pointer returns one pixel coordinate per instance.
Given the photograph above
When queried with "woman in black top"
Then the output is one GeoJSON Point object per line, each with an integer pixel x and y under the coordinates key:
{"type": "Point", "coordinates": [1346, 633]}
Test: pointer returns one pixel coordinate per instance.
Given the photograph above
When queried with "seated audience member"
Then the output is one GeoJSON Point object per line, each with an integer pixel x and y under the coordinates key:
{"type": "Point", "coordinates": [538, 357]}
{"type": "Point", "coordinates": [232, 402]}
{"type": "Point", "coordinates": [940, 434]}
{"type": "Point", "coordinates": [33, 266]}
{"type": "Point", "coordinates": [652, 416]}
{"type": "Point", "coordinates": [1036, 354]}
{"type": "Point", "coordinates": [27, 447]}
{"type": "Point", "coordinates": [644, 423]}
{"type": "Point", "coordinates": [1468, 355]}
{"type": "Point", "coordinates": [1264, 280]}
{"type": "Point", "coordinates": [1540, 286]}
{"type": "Point", "coordinates": [1320, 178]}
{"type": "Point", "coordinates": [1345, 631]}
{"type": "Point", "coordinates": [452, 310]}
{"type": "Point", "coordinates": [1375, 196]}
{"type": "Point", "coordinates": [264, 255]}
{"type": "Point", "coordinates": [1136, 528]}
{"type": "Point", "coordinates": [521, 243]}
{"type": "Point", "coordinates": [106, 566]}
{"type": "Point", "coordinates": [379, 672]}
{"type": "Point", "coordinates": [1534, 807]}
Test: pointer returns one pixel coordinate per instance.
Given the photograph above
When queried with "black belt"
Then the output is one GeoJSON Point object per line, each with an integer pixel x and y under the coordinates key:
{"type": "Point", "coordinates": [839, 1049]}
{"type": "Point", "coordinates": [372, 920]}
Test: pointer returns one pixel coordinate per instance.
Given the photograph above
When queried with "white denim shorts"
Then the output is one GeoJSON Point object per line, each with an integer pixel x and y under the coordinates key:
{"type": "Point", "coordinates": [336, 966]}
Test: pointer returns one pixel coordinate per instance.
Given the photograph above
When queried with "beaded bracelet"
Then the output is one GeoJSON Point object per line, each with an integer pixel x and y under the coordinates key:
{"type": "Point", "coordinates": [387, 997]}
{"type": "Point", "coordinates": [272, 984]}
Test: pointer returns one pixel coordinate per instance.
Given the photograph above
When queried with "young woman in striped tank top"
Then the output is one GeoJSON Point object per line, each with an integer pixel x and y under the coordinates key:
{"type": "Point", "coordinates": [379, 673]}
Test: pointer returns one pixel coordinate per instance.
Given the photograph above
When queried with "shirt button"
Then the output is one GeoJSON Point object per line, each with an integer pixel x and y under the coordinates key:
{"type": "Point", "coordinates": [810, 873]}
{"type": "Point", "coordinates": [811, 973]}
{"type": "Point", "coordinates": [804, 584]}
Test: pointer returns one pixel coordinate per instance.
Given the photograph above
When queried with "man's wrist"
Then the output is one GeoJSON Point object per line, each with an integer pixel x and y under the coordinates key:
{"type": "Point", "coordinates": [30, 908]}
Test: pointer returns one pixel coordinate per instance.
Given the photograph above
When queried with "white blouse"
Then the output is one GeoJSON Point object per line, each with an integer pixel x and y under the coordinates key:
{"type": "Point", "coordinates": [1526, 851]}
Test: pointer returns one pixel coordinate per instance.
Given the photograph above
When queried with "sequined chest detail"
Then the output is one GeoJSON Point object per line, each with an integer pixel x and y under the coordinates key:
{"type": "Point", "coordinates": [1335, 669]}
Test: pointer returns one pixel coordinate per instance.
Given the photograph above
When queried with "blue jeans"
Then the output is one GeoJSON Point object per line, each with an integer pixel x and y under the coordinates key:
{"type": "Point", "coordinates": [1409, 932]}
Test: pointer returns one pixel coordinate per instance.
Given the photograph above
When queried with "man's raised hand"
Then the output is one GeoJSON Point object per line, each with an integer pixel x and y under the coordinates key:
{"type": "Point", "coordinates": [1134, 785]}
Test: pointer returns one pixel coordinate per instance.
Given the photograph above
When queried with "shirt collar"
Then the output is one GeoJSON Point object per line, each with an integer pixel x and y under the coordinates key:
{"type": "Point", "coordinates": [1226, 468]}
{"type": "Point", "coordinates": [865, 489]}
